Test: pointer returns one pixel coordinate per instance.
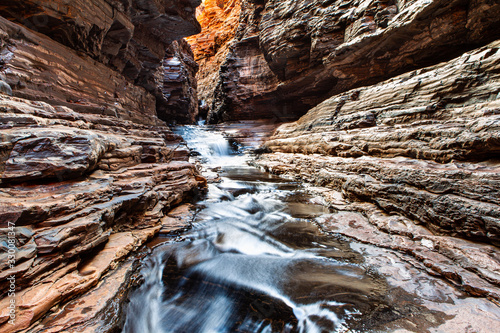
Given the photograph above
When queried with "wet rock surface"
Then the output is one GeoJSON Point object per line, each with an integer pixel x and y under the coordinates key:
{"type": "Point", "coordinates": [84, 191]}
{"type": "Point", "coordinates": [410, 164]}
{"type": "Point", "coordinates": [267, 253]}
{"type": "Point", "coordinates": [470, 265]}
{"type": "Point", "coordinates": [89, 168]}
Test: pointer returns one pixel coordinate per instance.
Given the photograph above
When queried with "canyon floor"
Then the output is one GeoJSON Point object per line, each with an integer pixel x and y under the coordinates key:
{"type": "Point", "coordinates": [347, 177]}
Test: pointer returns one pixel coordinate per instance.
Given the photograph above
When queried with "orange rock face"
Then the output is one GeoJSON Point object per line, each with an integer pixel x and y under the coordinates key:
{"type": "Point", "coordinates": [219, 20]}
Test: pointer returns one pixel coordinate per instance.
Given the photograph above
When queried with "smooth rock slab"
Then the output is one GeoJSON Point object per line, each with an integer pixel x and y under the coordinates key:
{"type": "Point", "coordinates": [58, 153]}
{"type": "Point", "coordinates": [458, 312]}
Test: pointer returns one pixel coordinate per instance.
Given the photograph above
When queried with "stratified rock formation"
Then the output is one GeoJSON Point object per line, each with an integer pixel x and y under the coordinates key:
{"type": "Point", "coordinates": [118, 48]}
{"type": "Point", "coordinates": [415, 156]}
{"type": "Point", "coordinates": [88, 169]}
{"type": "Point", "coordinates": [400, 119]}
{"type": "Point", "coordinates": [219, 20]}
{"type": "Point", "coordinates": [288, 56]}
{"type": "Point", "coordinates": [421, 138]}
{"type": "Point", "coordinates": [395, 110]}
{"type": "Point", "coordinates": [178, 97]}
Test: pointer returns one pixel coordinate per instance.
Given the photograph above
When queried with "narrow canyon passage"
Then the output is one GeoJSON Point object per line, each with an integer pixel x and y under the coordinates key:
{"type": "Point", "coordinates": [343, 175]}
{"type": "Point", "coordinates": [259, 258]}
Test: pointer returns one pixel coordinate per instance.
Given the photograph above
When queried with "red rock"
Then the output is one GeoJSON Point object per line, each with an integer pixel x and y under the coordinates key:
{"type": "Point", "coordinates": [381, 134]}
{"type": "Point", "coordinates": [87, 168]}
{"type": "Point", "coordinates": [35, 301]}
{"type": "Point", "coordinates": [288, 56]}
{"type": "Point", "coordinates": [179, 86]}
{"type": "Point", "coordinates": [219, 20]}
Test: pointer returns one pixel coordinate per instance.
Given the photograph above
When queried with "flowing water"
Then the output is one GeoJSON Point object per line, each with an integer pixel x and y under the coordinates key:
{"type": "Point", "coordinates": [255, 261]}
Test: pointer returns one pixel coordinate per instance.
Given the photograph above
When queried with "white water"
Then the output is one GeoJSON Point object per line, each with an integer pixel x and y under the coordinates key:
{"type": "Point", "coordinates": [212, 146]}
{"type": "Point", "coordinates": [247, 265]}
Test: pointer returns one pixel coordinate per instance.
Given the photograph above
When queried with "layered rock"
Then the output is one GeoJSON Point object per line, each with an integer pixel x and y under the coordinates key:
{"type": "Point", "coordinates": [130, 36]}
{"type": "Point", "coordinates": [40, 69]}
{"type": "Point", "coordinates": [288, 56]}
{"type": "Point", "coordinates": [71, 183]}
{"type": "Point", "coordinates": [219, 20]}
{"type": "Point", "coordinates": [99, 57]}
{"type": "Point", "coordinates": [351, 188]}
{"type": "Point", "coordinates": [393, 136]}
{"type": "Point", "coordinates": [405, 161]}
{"type": "Point", "coordinates": [415, 159]}
{"type": "Point", "coordinates": [88, 170]}
{"type": "Point", "coordinates": [177, 100]}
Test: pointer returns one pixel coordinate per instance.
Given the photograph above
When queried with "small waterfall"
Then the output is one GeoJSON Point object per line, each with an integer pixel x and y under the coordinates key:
{"type": "Point", "coordinates": [249, 265]}
{"type": "Point", "coordinates": [146, 318]}
{"type": "Point", "coordinates": [211, 146]}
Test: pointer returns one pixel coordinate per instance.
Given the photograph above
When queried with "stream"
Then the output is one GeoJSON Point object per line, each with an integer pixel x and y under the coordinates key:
{"type": "Point", "coordinates": [256, 260]}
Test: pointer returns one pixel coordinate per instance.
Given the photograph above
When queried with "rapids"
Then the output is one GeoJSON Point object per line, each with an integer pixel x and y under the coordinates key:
{"type": "Point", "coordinates": [255, 260]}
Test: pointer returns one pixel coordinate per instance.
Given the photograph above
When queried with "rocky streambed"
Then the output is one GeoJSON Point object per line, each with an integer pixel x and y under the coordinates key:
{"type": "Point", "coordinates": [271, 254]}
{"type": "Point", "coordinates": [373, 205]}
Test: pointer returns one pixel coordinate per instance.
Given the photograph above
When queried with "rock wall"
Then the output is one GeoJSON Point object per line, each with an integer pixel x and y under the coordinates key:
{"type": "Point", "coordinates": [395, 110]}
{"type": "Point", "coordinates": [417, 144]}
{"type": "Point", "coordinates": [411, 164]}
{"type": "Point", "coordinates": [88, 170]}
{"type": "Point", "coordinates": [219, 20]}
{"type": "Point", "coordinates": [288, 56]}
{"type": "Point", "coordinates": [178, 98]}
{"type": "Point", "coordinates": [97, 54]}
{"type": "Point", "coordinates": [40, 69]}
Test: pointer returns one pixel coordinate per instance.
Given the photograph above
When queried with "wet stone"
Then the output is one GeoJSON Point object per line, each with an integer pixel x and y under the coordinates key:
{"type": "Point", "coordinates": [266, 254]}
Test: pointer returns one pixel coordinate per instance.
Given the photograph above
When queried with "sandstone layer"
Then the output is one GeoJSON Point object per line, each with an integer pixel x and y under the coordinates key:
{"type": "Point", "coordinates": [100, 56]}
{"type": "Point", "coordinates": [89, 169]}
{"type": "Point", "coordinates": [413, 162]}
{"type": "Point", "coordinates": [72, 183]}
{"type": "Point", "coordinates": [177, 100]}
{"type": "Point", "coordinates": [288, 56]}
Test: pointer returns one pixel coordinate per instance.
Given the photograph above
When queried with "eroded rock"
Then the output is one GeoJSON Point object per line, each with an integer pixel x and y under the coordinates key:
{"type": "Point", "coordinates": [219, 20]}
{"type": "Point", "coordinates": [130, 37]}
{"type": "Point", "coordinates": [288, 56]}
{"type": "Point", "coordinates": [72, 184]}
{"type": "Point", "coordinates": [177, 100]}
{"type": "Point", "coordinates": [470, 265]}
{"type": "Point", "coordinates": [379, 137]}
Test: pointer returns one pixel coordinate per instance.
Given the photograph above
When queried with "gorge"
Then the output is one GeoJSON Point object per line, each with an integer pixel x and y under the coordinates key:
{"type": "Point", "coordinates": [348, 178]}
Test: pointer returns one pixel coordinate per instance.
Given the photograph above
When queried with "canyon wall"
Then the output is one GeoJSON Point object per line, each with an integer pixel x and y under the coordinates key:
{"type": "Point", "coordinates": [178, 97]}
{"type": "Point", "coordinates": [395, 110]}
{"type": "Point", "coordinates": [93, 53]}
{"type": "Point", "coordinates": [288, 56]}
{"type": "Point", "coordinates": [419, 144]}
{"type": "Point", "coordinates": [405, 149]}
{"type": "Point", "coordinates": [89, 170]}
{"type": "Point", "coordinates": [219, 20]}
{"type": "Point", "coordinates": [410, 164]}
